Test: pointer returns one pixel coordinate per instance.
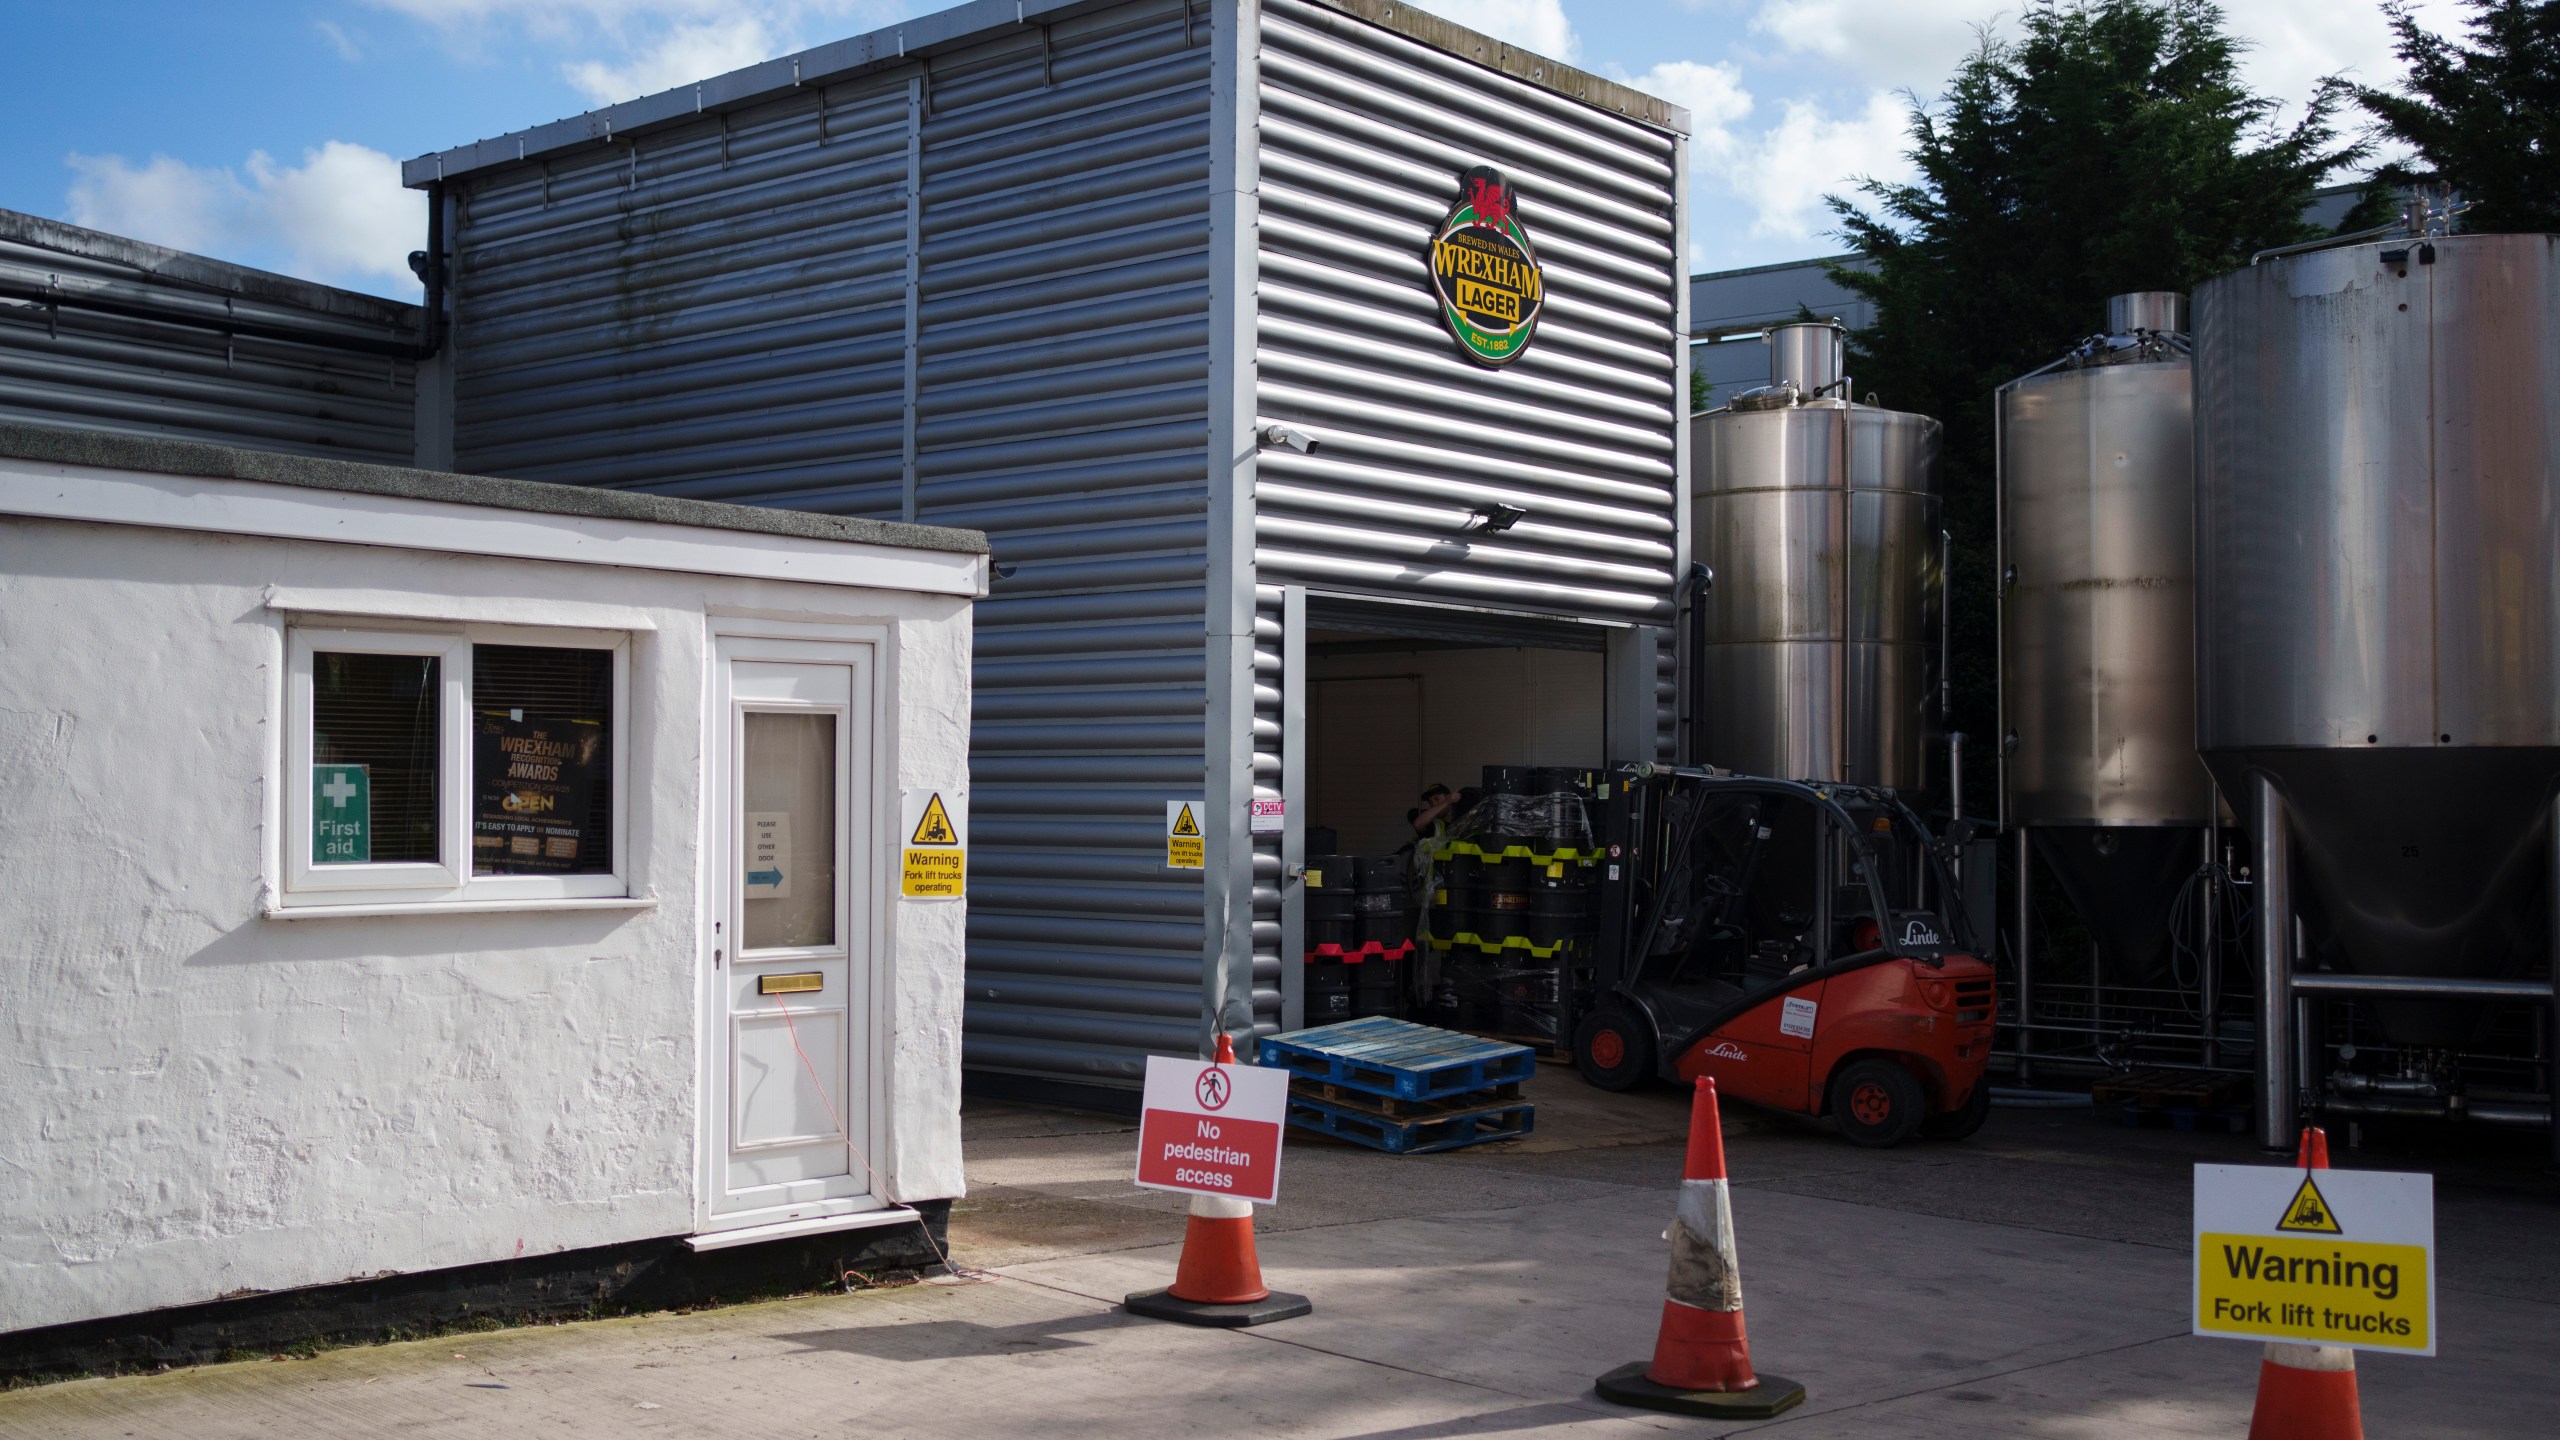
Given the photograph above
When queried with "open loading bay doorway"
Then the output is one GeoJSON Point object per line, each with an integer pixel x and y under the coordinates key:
{"type": "Point", "coordinates": [1446, 879]}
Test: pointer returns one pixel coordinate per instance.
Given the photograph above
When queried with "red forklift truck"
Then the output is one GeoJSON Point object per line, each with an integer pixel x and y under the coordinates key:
{"type": "Point", "coordinates": [1803, 944]}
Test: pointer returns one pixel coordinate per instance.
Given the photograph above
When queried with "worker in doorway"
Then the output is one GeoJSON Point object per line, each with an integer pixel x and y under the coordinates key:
{"type": "Point", "coordinates": [1430, 819]}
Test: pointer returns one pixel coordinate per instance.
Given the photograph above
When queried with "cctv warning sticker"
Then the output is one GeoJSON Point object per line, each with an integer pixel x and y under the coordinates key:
{"type": "Point", "coordinates": [1185, 848]}
{"type": "Point", "coordinates": [2321, 1257]}
{"type": "Point", "coordinates": [936, 865]}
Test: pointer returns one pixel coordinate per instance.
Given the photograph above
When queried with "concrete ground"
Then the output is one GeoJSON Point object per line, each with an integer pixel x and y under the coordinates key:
{"type": "Point", "coordinates": [2031, 1281]}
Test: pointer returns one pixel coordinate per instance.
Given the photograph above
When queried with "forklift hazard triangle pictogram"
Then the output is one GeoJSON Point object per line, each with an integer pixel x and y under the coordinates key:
{"type": "Point", "coordinates": [1183, 824]}
{"type": "Point", "coordinates": [2309, 1211]}
{"type": "Point", "coordinates": [935, 827]}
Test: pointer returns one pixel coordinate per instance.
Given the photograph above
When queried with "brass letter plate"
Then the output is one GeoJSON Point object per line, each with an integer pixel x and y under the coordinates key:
{"type": "Point", "coordinates": [790, 984]}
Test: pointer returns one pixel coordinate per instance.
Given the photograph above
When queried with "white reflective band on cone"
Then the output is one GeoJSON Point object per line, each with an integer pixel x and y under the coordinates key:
{"type": "Point", "coordinates": [1704, 1273]}
{"type": "Point", "coordinates": [2310, 1357]}
{"type": "Point", "coordinates": [1221, 1207]}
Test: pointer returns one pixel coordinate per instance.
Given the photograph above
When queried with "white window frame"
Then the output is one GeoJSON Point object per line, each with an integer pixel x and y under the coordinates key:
{"type": "Point", "coordinates": [447, 882]}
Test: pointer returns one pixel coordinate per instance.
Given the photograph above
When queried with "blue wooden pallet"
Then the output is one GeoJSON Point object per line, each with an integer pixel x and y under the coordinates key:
{"type": "Point", "coordinates": [1445, 1131]}
{"type": "Point", "coordinates": [1398, 1058]}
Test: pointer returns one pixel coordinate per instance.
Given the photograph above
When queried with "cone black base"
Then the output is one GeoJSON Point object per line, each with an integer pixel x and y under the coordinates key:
{"type": "Point", "coordinates": [1165, 1305]}
{"type": "Point", "coordinates": [1774, 1394]}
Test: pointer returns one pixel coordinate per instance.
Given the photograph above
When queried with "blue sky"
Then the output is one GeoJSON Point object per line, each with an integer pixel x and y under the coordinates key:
{"type": "Point", "coordinates": [269, 131]}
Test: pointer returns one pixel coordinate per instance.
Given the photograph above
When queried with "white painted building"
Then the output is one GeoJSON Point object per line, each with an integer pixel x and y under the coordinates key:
{"type": "Point", "coordinates": [402, 871]}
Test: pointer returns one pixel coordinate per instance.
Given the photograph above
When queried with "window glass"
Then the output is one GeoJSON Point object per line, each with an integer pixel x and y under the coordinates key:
{"type": "Point", "coordinates": [541, 760]}
{"type": "Point", "coordinates": [789, 827]}
{"type": "Point", "coordinates": [374, 722]}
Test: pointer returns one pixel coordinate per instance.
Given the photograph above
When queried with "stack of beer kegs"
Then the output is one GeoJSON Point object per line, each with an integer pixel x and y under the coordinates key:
{"type": "Point", "coordinates": [1331, 887]}
{"type": "Point", "coordinates": [1359, 936]}
{"type": "Point", "coordinates": [1515, 902]}
{"type": "Point", "coordinates": [1384, 929]}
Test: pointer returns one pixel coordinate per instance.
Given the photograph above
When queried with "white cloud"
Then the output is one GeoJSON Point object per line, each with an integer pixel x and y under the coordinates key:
{"type": "Point", "coordinates": [1538, 25]}
{"type": "Point", "coordinates": [1810, 153]}
{"type": "Point", "coordinates": [1892, 44]}
{"type": "Point", "coordinates": [340, 217]}
{"type": "Point", "coordinates": [2293, 43]}
{"type": "Point", "coordinates": [1714, 98]}
{"type": "Point", "coordinates": [682, 55]}
{"type": "Point", "coordinates": [339, 40]}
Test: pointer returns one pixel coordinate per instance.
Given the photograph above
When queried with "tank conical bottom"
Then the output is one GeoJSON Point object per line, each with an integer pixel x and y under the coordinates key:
{"type": "Point", "coordinates": [2416, 862]}
{"type": "Point", "coordinates": [2124, 879]}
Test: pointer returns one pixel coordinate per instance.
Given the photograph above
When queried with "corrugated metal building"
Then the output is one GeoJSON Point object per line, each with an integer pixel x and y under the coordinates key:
{"type": "Point", "coordinates": [100, 332]}
{"type": "Point", "coordinates": [1092, 278]}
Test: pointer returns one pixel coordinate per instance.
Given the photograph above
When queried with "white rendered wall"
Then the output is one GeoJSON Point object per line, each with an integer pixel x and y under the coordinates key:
{"type": "Point", "coordinates": [200, 1100]}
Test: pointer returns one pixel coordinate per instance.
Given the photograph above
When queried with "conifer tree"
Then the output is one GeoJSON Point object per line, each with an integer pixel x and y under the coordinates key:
{"type": "Point", "coordinates": [2110, 146]}
{"type": "Point", "coordinates": [2483, 117]}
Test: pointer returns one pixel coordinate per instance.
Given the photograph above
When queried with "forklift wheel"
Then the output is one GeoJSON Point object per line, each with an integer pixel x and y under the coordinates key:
{"type": "Point", "coordinates": [1877, 1102]}
{"type": "Point", "coordinates": [1613, 1049]}
{"type": "Point", "coordinates": [1962, 1121]}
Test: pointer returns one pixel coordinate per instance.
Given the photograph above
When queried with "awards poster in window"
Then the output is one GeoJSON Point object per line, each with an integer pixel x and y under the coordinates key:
{"type": "Point", "coordinates": [535, 779]}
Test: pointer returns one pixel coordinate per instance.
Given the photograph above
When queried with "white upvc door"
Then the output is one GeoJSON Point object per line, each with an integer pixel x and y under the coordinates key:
{"type": "Point", "coordinates": [788, 1107]}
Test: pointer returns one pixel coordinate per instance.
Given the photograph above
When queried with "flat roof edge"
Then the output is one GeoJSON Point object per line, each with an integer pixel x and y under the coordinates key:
{"type": "Point", "coordinates": [106, 450]}
{"type": "Point", "coordinates": [893, 45]}
{"type": "Point", "coordinates": [205, 272]}
{"type": "Point", "coordinates": [1527, 66]}
{"type": "Point", "coordinates": [819, 65]}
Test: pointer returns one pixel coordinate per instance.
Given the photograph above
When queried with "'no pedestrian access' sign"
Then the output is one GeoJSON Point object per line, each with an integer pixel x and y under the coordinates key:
{"type": "Point", "coordinates": [1210, 1129]}
{"type": "Point", "coordinates": [2319, 1257]}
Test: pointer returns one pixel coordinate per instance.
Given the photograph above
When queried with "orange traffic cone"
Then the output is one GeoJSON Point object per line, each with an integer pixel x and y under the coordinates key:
{"type": "Point", "coordinates": [2307, 1392]}
{"type": "Point", "coordinates": [1701, 1360]}
{"type": "Point", "coordinates": [1218, 1280]}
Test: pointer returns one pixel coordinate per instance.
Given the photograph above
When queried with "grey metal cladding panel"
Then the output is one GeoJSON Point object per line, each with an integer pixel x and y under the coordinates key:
{"type": "Point", "coordinates": [1730, 300]}
{"type": "Point", "coordinates": [1268, 717]}
{"type": "Point", "coordinates": [714, 309]}
{"type": "Point", "coordinates": [1061, 404]}
{"type": "Point", "coordinates": [142, 376]}
{"type": "Point", "coordinates": [1363, 136]}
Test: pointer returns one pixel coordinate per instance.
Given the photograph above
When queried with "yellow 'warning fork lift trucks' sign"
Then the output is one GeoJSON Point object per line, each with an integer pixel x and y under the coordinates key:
{"type": "Point", "coordinates": [1185, 847]}
{"type": "Point", "coordinates": [937, 849]}
{"type": "Point", "coordinates": [2320, 1257]}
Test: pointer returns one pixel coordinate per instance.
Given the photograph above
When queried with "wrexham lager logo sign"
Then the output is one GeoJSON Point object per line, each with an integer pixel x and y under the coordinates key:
{"type": "Point", "coordinates": [1485, 272]}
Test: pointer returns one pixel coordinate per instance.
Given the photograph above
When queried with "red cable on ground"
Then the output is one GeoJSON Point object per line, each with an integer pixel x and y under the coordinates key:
{"type": "Point", "coordinates": [880, 1186]}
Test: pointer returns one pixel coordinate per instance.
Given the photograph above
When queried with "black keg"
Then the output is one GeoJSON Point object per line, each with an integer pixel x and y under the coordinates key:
{"type": "Point", "coordinates": [1377, 904]}
{"type": "Point", "coordinates": [1377, 985]}
{"type": "Point", "coordinates": [1553, 917]}
{"type": "Point", "coordinates": [1527, 991]}
{"type": "Point", "coordinates": [1328, 995]}
{"type": "Point", "coordinates": [1332, 885]}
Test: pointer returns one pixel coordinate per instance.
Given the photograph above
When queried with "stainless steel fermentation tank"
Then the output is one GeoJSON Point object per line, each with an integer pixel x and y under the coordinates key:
{"type": "Point", "coordinates": [2097, 635]}
{"type": "Point", "coordinates": [1816, 646]}
{"type": "Point", "coordinates": [2378, 658]}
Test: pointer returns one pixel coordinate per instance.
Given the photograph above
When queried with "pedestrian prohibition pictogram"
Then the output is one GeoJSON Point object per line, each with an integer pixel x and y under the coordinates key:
{"type": "Point", "coordinates": [1211, 1088]}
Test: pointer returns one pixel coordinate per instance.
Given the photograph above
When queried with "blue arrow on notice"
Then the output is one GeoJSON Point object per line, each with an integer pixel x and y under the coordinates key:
{"type": "Point", "coordinates": [764, 877]}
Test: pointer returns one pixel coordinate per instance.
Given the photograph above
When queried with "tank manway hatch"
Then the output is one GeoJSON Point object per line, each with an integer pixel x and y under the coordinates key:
{"type": "Point", "coordinates": [1815, 653]}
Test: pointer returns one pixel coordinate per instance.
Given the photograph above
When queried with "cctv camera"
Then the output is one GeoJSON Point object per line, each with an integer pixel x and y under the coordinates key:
{"type": "Point", "coordinates": [1298, 440]}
